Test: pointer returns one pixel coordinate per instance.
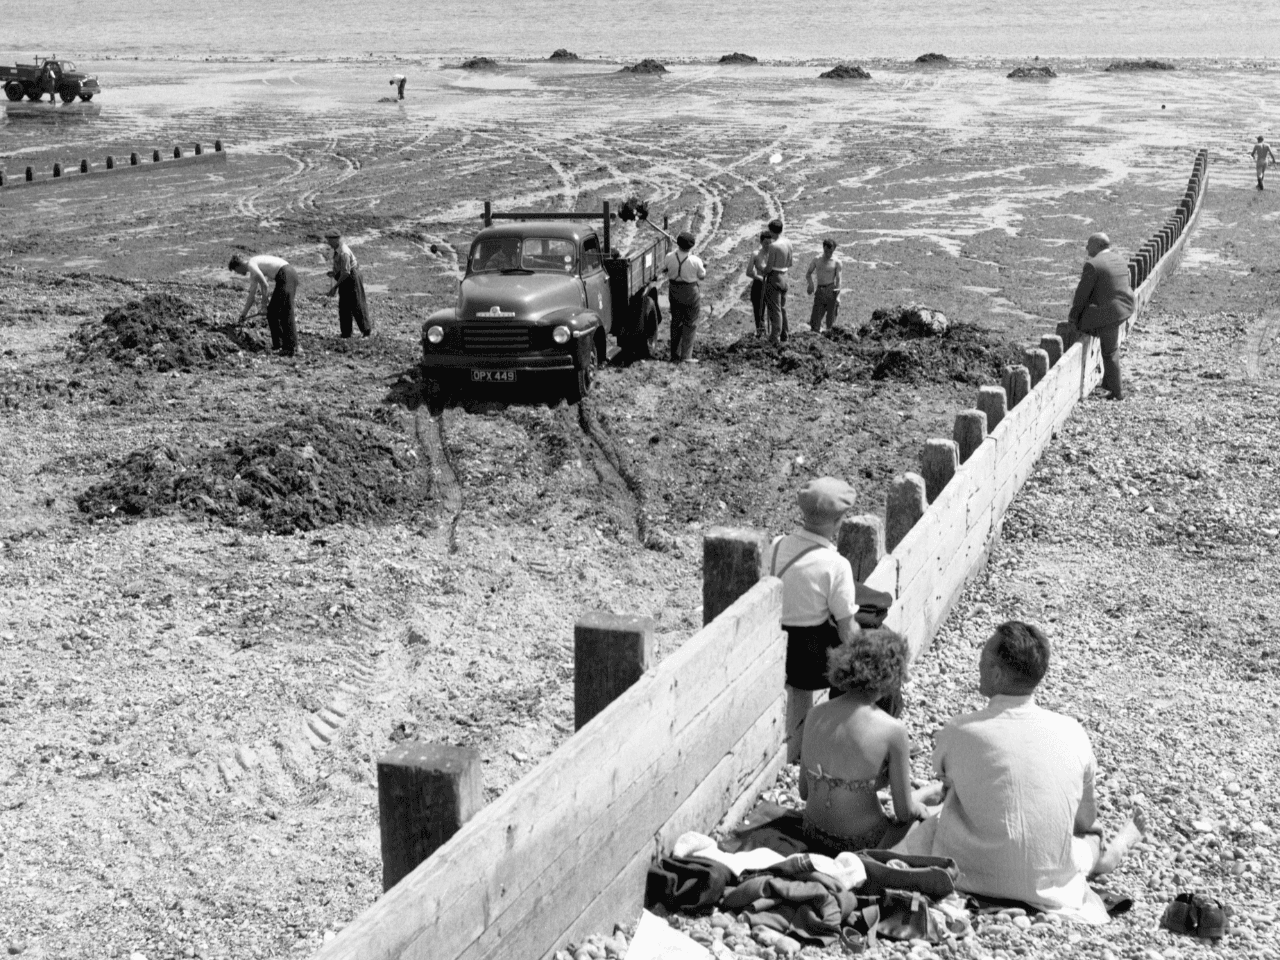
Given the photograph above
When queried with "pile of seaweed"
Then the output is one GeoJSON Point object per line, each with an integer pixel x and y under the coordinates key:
{"type": "Point", "coordinates": [478, 63]}
{"type": "Point", "coordinates": [1032, 73]}
{"type": "Point", "coordinates": [309, 472]}
{"type": "Point", "coordinates": [1123, 66]}
{"type": "Point", "coordinates": [845, 71]}
{"type": "Point", "coordinates": [562, 54]}
{"type": "Point", "coordinates": [739, 58]}
{"type": "Point", "coordinates": [963, 353]}
{"type": "Point", "coordinates": [161, 331]}
{"type": "Point", "coordinates": [933, 58]}
{"type": "Point", "coordinates": [646, 65]}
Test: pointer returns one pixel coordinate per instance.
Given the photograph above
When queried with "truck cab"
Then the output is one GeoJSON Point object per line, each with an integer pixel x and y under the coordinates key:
{"type": "Point", "coordinates": [542, 297]}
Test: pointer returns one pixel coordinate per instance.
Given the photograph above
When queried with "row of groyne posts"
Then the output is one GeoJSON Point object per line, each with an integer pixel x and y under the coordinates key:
{"type": "Point", "coordinates": [198, 154]}
{"type": "Point", "coordinates": [691, 741]}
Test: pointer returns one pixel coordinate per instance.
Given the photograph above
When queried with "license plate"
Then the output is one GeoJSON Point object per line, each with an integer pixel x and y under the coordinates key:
{"type": "Point", "coordinates": [493, 376]}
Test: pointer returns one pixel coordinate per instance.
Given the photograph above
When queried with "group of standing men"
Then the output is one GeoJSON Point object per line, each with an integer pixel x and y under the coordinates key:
{"type": "Point", "coordinates": [277, 281]}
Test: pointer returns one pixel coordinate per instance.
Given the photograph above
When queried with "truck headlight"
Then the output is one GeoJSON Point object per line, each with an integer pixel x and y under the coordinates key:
{"type": "Point", "coordinates": [435, 333]}
{"type": "Point", "coordinates": [560, 334]}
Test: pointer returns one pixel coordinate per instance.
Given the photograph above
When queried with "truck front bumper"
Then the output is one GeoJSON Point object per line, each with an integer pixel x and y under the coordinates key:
{"type": "Point", "coordinates": [457, 362]}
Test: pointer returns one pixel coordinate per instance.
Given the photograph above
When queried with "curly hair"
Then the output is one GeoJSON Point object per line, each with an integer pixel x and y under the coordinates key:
{"type": "Point", "coordinates": [872, 661]}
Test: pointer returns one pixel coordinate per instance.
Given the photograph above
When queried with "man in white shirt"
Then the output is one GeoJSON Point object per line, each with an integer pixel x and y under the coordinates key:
{"type": "Point", "coordinates": [1020, 818]}
{"type": "Point", "coordinates": [279, 302]}
{"type": "Point", "coordinates": [779, 261]}
{"type": "Point", "coordinates": [819, 597]}
{"type": "Point", "coordinates": [684, 271]}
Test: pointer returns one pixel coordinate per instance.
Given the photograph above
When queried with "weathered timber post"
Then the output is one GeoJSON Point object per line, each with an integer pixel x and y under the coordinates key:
{"type": "Point", "coordinates": [939, 461]}
{"type": "Point", "coordinates": [610, 653]}
{"type": "Point", "coordinates": [133, 159]}
{"type": "Point", "coordinates": [1051, 344]}
{"type": "Point", "coordinates": [861, 542]}
{"type": "Point", "coordinates": [1037, 364]}
{"type": "Point", "coordinates": [1017, 384]}
{"type": "Point", "coordinates": [969, 432]}
{"type": "Point", "coordinates": [111, 162]}
{"type": "Point", "coordinates": [31, 174]}
{"type": "Point", "coordinates": [994, 403]}
{"type": "Point", "coordinates": [1068, 333]}
{"type": "Point", "coordinates": [177, 153]}
{"type": "Point", "coordinates": [217, 146]}
{"type": "Point", "coordinates": [906, 505]}
{"type": "Point", "coordinates": [155, 156]}
{"type": "Point", "coordinates": [84, 165]}
{"type": "Point", "coordinates": [732, 563]}
{"type": "Point", "coordinates": [57, 169]}
{"type": "Point", "coordinates": [199, 150]}
{"type": "Point", "coordinates": [426, 792]}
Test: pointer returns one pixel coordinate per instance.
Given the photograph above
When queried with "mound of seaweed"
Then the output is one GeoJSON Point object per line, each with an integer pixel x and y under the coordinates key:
{"type": "Point", "coordinates": [1125, 66]}
{"type": "Point", "coordinates": [646, 65]}
{"type": "Point", "coordinates": [1032, 73]}
{"type": "Point", "coordinates": [562, 54]}
{"type": "Point", "coordinates": [845, 71]}
{"type": "Point", "coordinates": [933, 58]}
{"type": "Point", "coordinates": [478, 63]}
{"type": "Point", "coordinates": [310, 472]}
{"type": "Point", "coordinates": [965, 353]}
{"type": "Point", "coordinates": [162, 331]}
{"type": "Point", "coordinates": [745, 59]}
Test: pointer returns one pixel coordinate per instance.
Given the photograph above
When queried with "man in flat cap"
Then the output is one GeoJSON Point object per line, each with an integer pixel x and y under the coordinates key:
{"type": "Point", "coordinates": [348, 284]}
{"type": "Point", "coordinates": [819, 599]}
{"type": "Point", "coordinates": [1103, 302]}
{"type": "Point", "coordinates": [684, 271]}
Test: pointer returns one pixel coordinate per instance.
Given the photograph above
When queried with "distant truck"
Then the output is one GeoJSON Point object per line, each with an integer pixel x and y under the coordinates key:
{"type": "Point", "coordinates": [541, 296]}
{"type": "Point", "coordinates": [48, 75]}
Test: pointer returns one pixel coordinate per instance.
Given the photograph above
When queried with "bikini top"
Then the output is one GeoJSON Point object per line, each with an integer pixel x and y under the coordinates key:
{"type": "Point", "coordinates": [840, 783]}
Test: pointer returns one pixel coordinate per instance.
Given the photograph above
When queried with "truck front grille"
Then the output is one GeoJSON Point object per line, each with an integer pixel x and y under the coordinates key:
{"type": "Point", "coordinates": [495, 337]}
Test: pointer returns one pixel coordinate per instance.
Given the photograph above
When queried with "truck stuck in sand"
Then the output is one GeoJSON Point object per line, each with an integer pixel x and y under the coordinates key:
{"type": "Point", "coordinates": [541, 296]}
{"type": "Point", "coordinates": [48, 75]}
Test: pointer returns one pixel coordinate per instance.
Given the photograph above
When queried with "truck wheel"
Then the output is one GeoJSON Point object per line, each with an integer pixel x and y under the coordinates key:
{"type": "Point", "coordinates": [640, 346]}
{"type": "Point", "coordinates": [86, 97]}
{"type": "Point", "coordinates": [68, 92]}
{"type": "Point", "coordinates": [13, 90]}
{"type": "Point", "coordinates": [34, 94]}
{"type": "Point", "coordinates": [584, 377]}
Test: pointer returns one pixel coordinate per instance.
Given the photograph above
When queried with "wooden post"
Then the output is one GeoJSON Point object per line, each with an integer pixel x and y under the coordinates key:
{"type": "Point", "coordinates": [155, 156]}
{"type": "Point", "coordinates": [1068, 333]}
{"type": "Point", "coordinates": [57, 169]}
{"type": "Point", "coordinates": [111, 162]}
{"type": "Point", "coordinates": [1037, 364]}
{"type": "Point", "coordinates": [993, 402]}
{"type": "Point", "coordinates": [906, 504]}
{"type": "Point", "coordinates": [732, 563]}
{"type": "Point", "coordinates": [426, 792]}
{"type": "Point", "coordinates": [1051, 344]}
{"type": "Point", "coordinates": [1017, 384]}
{"type": "Point", "coordinates": [938, 464]}
{"type": "Point", "coordinates": [610, 653]}
{"type": "Point", "coordinates": [969, 432]}
{"type": "Point", "coordinates": [861, 542]}
{"type": "Point", "coordinates": [199, 150]}
{"type": "Point", "coordinates": [84, 164]}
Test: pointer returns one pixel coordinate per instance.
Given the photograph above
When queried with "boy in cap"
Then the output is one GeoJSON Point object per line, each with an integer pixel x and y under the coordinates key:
{"type": "Point", "coordinates": [348, 284]}
{"type": "Point", "coordinates": [819, 599]}
{"type": "Point", "coordinates": [826, 294]}
{"type": "Point", "coordinates": [684, 271]}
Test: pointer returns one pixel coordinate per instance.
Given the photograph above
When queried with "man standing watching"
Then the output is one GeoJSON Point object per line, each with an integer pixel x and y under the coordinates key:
{"type": "Point", "coordinates": [1020, 816]}
{"type": "Point", "coordinates": [280, 310]}
{"type": "Point", "coordinates": [348, 284]}
{"type": "Point", "coordinates": [777, 264]}
{"type": "Point", "coordinates": [819, 598]}
{"type": "Point", "coordinates": [684, 271]}
{"type": "Point", "coordinates": [823, 277]}
{"type": "Point", "coordinates": [1103, 301]}
{"type": "Point", "coordinates": [1261, 154]}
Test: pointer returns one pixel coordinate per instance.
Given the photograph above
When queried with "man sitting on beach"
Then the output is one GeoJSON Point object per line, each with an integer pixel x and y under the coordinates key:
{"type": "Point", "coordinates": [1019, 817]}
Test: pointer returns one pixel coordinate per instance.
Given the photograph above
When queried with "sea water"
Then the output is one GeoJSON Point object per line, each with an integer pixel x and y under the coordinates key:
{"type": "Point", "coordinates": [629, 30]}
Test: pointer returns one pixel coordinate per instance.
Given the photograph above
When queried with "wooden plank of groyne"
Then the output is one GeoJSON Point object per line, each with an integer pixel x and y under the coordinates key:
{"type": "Point", "coordinates": [443, 907]}
{"type": "Point", "coordinates": [568, 883]}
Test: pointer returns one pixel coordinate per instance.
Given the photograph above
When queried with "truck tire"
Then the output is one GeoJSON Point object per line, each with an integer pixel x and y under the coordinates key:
{"type": "Point", "coordinates": [86, 97]}
{"type": "Point", "coordinates": [34, 93]}
{"type": "Point", "coordinates": [13, 90]}
{"type": "Point", "coordinates": [584, 376]}
{"type": "Point", "coordinates": [68, 92]}
{"type": "Point", "coordinates": [640, 346]}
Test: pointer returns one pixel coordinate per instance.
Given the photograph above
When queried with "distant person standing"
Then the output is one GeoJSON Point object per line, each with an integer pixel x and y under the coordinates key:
{"type": "Point", "coordinates": [349, 286]}
{"type": "Point", "coordinates": [264, 269]}
{"type": "Point", "coordinates": [398, 81]}
{"type": "Point", "coordinates": [1103, 301]}
{"type": "Point", "coordinates": [755, 270]}
{"type": "Point", "coordinates": [684, 273]}
{"type": "Point", "coordinates": [1261, 154]}
{"type": "Point", "coordinates": [823, 277]}
{"type": "Point", "coordinates": [778, 263]}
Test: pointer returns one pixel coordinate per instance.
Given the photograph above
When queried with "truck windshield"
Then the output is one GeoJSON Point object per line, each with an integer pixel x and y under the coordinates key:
{"type": "Point", "coordinates": [527, 255]}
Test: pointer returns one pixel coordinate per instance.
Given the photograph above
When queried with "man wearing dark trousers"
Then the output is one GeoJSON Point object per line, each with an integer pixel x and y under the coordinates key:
{"type": "Point", "coordinates": [1103, 302]}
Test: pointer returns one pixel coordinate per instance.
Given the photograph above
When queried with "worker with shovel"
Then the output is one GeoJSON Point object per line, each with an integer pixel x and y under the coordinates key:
{"type": "Point", "coordinates": [280, 310]}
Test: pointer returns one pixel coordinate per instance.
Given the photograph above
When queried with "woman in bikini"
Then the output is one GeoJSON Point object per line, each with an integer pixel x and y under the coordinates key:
{"type": "Point", "coordinates": [852, 748]}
